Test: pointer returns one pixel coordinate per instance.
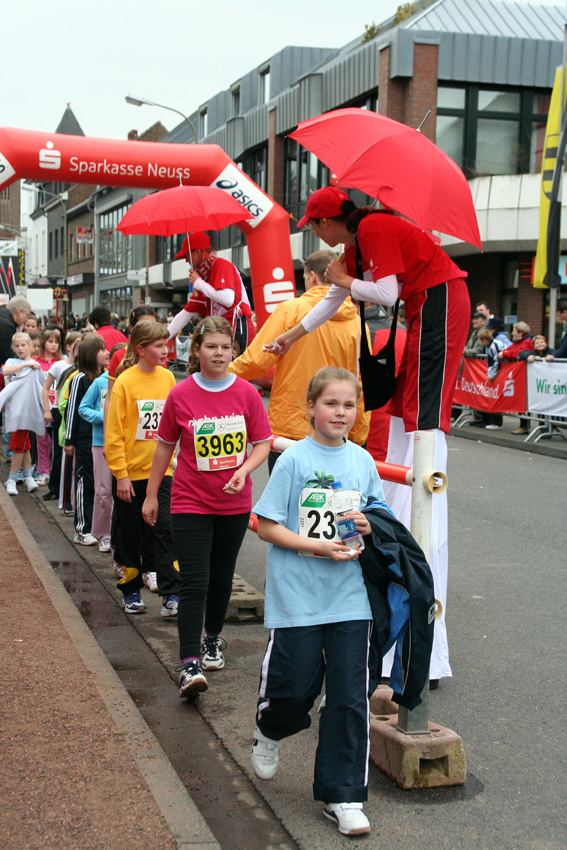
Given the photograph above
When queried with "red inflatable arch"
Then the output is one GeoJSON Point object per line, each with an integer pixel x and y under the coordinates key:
{"type": "Point", "coordinates": [149, 165]}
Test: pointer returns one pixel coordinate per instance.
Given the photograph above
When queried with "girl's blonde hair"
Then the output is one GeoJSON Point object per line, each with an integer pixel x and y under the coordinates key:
{"type": "Point", "coordinates": [71, 338]}
{"type": "Point", "coordinates": [22, 335]}
{"type": "Point", "coordinates": [324, 377]}
{"type": "Point", "coordinates": [47, 335]}
{"type": "Point", "coordinates": [208, 325]}
{"type": "Point", "coordinates": [143, 333]}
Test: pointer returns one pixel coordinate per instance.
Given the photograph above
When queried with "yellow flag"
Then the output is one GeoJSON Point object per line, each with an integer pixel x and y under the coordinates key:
{"type": "Point", "coordinates": [548, 246]}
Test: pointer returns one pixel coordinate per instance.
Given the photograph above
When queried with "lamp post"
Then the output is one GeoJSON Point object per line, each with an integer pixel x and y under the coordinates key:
{"type": "Point", "coordinates": [143, 101]}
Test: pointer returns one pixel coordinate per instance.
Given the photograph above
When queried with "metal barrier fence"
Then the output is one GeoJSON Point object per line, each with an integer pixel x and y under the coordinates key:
{"type": "Point", "coordinates": [548, 424]}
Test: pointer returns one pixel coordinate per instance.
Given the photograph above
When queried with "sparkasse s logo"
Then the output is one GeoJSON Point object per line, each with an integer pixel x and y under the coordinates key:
{"type": "Point", "coordinates": [49, 157]}
{"type": "Point", "coordinates": [509, 386]}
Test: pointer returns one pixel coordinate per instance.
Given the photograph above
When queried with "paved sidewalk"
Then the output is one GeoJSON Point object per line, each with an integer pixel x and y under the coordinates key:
{"type": "Point", "coordinates": [80, 767]}
{"type": "Point", "coordinates": [554, 446]}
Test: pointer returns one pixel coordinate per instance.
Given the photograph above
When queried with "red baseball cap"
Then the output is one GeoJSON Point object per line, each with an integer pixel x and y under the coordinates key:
{"type": "Point", "coordinates": [324, 203]}
{"type": "Point", "coordinates": [198, 241]}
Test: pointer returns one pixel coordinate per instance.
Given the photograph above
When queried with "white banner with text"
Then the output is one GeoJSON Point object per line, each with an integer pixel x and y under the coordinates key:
{"type": "Point", "coordinates": [547, 388]}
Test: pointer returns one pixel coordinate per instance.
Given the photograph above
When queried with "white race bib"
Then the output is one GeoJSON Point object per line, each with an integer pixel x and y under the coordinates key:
{"type": "Point", "coordinates": [317, 517]}
{"type": "Point", "coordinates": [220, 443]}
{"type": "Point", "coordinates": [149, 415]}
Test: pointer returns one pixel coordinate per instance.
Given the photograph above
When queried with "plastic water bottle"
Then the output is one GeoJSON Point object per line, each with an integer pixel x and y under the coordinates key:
{"type": "Point", "coordinates": [342, 505]}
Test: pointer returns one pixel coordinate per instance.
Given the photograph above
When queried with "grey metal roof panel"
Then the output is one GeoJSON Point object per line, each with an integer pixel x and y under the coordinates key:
{"type": "Point", "coordinates": [492, 17]}
{"type": "Point", "coordinates": [498, 60]}
{"type": "Point", "coordinates": [287, 111]}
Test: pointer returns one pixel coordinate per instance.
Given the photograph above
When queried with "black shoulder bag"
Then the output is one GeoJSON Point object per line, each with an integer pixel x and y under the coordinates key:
{"type": "Point", "coordinates": [377, 371]}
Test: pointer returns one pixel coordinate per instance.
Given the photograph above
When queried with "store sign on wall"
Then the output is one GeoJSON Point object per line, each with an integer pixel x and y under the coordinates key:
{"type": "Point", "coordinates": [85, 235]}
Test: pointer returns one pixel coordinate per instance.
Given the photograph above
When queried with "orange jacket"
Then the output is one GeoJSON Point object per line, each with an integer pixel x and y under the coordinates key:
{"type": "Point", "coordinates": [333, 344]}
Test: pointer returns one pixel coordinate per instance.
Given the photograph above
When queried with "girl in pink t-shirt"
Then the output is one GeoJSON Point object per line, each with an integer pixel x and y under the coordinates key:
{"type": "Point", "coordinates": [214, 416]}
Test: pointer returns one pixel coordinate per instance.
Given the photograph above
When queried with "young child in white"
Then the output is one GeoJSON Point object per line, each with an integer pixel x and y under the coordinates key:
{"type": "Point", "coordinates": [23, 410]}
{"type": "Point", "coordinates": [50, 353]}
{"type": "Point", "coordinates": [317, 608]}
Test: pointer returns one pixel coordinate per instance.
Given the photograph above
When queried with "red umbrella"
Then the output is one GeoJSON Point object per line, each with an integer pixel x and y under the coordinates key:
{"type": "Point", "coordinates": [397, 165]}
{"type": "Point", "coordinates": [182, 209]}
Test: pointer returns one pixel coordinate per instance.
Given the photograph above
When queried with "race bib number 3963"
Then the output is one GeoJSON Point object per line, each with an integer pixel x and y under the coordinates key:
{"type": "Point", "coordinates": [220, 443]}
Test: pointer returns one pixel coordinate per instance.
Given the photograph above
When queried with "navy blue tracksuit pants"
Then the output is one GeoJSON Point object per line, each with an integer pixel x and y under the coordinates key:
{"type": "Point", "coordinates": [295, 664]}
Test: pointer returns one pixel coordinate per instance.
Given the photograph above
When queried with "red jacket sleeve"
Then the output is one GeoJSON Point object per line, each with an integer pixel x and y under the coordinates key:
{"type": "Point", "coordinates": [513, 351]}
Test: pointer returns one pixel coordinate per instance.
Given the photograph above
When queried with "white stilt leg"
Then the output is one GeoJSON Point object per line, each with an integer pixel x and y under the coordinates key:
{"type": "Point", "coordinates": [398, 496]}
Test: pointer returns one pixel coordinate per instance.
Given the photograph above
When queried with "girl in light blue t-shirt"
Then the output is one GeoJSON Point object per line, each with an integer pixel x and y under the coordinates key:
{"type": "Point", "coordinates": [317, 607]}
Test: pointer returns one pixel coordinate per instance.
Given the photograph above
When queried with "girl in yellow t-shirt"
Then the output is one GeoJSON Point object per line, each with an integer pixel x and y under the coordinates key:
{"type": "Point", "coordinates": [135, 410]}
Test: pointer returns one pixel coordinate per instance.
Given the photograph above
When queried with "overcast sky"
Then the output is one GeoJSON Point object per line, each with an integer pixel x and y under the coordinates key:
{"type": "Point", "coordinates": [176, 52]}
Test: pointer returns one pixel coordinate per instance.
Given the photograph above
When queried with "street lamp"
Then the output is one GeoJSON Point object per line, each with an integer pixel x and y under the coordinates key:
{"type": "Point", "coordinates": [11, 229]}
{"type": "Point", "coordinates": [143, 101]}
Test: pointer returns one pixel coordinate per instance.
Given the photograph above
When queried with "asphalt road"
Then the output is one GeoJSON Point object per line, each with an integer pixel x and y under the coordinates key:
{"type": "Point", "coordinates": [506, 622]}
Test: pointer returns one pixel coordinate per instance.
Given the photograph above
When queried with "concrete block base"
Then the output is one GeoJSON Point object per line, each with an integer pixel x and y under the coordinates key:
{"type": "Point", "coordinates": [246, 604]}
{"type": "Point", "coordinates": [417, 761]}
{"type": "Point", "coordinates": [381, 701]}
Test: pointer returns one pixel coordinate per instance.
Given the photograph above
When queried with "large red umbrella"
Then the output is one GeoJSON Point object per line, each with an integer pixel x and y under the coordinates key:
{"type": "Point", "coordinates": [396, 164]}
{"type": "Point", "coordinates": [182, 209]}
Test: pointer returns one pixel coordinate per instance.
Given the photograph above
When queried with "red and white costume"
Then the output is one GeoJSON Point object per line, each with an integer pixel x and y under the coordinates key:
{"type": "Point", "coordinates": [400, 260]}
{"type": "Point", "coordinates": [217, 291]}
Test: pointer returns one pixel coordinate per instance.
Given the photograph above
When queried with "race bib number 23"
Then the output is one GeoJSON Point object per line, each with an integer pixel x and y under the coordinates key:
{"type": "Point", "coordinates": [149, 415]}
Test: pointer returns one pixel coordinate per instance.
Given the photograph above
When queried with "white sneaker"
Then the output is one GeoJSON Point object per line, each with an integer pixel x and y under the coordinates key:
{"type": "Point", "coordinates": [118, 571]}
{"type": "Point", "coordinates": [349, 817]}
{"type": "Point", "coordinates": [212, 647]}
{"type": "Point", "coordinates": [104, 545]}
{"type": "Point", "coordinates": [265, 755]}
{"type": "Point", "coordinates": [41, 480]}
{"type": "Point", "coordinates": [493, 427]}
{"type": "Point", "coordinates": [169, 605]}
{"type": "Point", "coordinates": [150, 580]}
{"type": "Point", "coordinates": [85, 539]}
{"type": "Point", "coordinates": [31, 484]}
{"type": "Point", "coordinates": [191, 680]}
{"type": "Point", "coordinates": [11, 488]}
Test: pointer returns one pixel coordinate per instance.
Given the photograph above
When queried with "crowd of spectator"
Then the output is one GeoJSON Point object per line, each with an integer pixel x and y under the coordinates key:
{"type": "Point", "coordinates": [489, 338]}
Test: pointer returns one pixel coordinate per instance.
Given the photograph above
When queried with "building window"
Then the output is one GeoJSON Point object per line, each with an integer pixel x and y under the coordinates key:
{"type": "Point", "coordinates": [235, 112]}
{"type": "Point", "coordinates": [540, 110]}
{"type": "Point", "coordinates": [168, 246]}
{"type": "Point", "coordinates": [498, 133]}
{"type": "Point", "coordinates": [303, 173]}
{"type": "Point", "coordinates": [255, 166]}
{"type": "Point", "coordinates": [204, 123]}
{"type": "Point", "coordinates": [264, 87]}
{"type": "Point", "coordinates": [369, 102]}
{"type": "Point", "coordinates": [50, 246]}
{"type": "Point", "coordinates": [5, 194]}
{"type": "Point", "coordinates": [62, 241]}
{"type": "Point", "coordinates": [71, 249]}
{"type": "Point", "coordinates": [492, 131]}
{"type": "Point", "coordinates": [118, 300]}
{"type": "Point", "coordinates": [115, 249]}
{"type": "Point", "coordinates": [55, 234]}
